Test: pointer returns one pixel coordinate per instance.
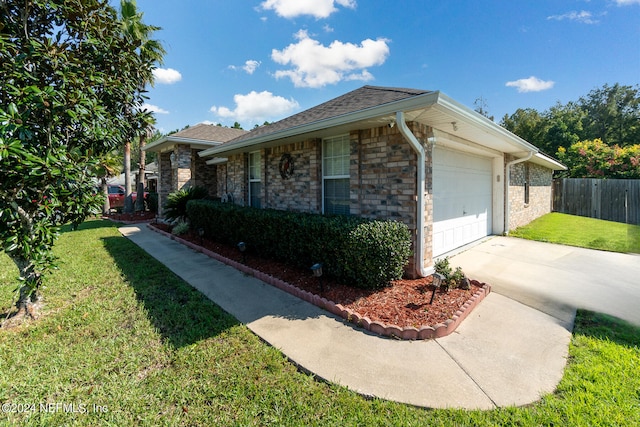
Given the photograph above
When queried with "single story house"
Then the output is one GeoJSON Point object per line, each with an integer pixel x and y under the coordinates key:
{"type": "Point", "coordinates": [416, 156]}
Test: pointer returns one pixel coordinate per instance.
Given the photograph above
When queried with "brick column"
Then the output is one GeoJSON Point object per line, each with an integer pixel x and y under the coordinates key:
{"type": "Point", "coordinates": [181, 168]}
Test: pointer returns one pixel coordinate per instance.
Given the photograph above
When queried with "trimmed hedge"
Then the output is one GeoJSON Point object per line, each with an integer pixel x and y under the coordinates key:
{"type": "Point", "coordinates": [356, 251]}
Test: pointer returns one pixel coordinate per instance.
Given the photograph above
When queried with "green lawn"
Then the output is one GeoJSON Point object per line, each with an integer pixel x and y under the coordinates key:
{"type": "Point", "coordinates": [121, 332]}
{"type": "Point", "coordinates": [583, 232]}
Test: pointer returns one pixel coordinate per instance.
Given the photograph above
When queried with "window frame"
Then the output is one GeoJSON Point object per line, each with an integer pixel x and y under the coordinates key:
{"type": "Point", "coordinates": [343, 139]}
{"type": "Point", "coordinates": [253, 178]}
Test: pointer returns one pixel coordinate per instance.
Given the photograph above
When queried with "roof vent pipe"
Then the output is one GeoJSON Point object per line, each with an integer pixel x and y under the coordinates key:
{"type": "Point", "coordinates": [420, 211]}
{"type": "Point", "coordinates": [507, 183]}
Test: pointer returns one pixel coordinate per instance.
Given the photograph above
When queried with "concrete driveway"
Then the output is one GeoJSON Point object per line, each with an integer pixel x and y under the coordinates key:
{"type": "Point", "coordinates": [557, 279]}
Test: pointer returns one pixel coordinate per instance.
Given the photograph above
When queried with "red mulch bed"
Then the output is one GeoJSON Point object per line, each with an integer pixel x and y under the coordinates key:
{"type": "Point", "coordinates": [141, 216]}
{"type": "Point", "coordinates": [405, 303]}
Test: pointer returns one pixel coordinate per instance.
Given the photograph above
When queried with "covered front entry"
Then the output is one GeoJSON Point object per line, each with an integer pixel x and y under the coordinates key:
{"type": "Point", "coordinates": [462, 199]}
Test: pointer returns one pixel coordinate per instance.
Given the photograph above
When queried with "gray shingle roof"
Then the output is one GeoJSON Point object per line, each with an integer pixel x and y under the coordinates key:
{"type": "Point", "coordinates": [356, 100]}
{"type": "Point", "coordinates": [211, 133]}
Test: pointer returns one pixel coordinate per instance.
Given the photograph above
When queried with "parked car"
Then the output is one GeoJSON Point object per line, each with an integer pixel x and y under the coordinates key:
{"type": "Point", "coordinates": [117, 196]}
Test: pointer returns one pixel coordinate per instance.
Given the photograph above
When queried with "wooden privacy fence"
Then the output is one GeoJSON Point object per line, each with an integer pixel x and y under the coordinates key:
{"type": "Point", "coordinates": [610, 199]}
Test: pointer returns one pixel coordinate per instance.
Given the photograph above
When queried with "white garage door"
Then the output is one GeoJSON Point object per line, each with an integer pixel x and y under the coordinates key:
{"type": "Point", "coordinates": [461, 199]}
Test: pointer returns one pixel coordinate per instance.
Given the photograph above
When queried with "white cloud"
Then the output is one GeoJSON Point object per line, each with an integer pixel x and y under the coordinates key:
{"type": "Point", "coordinates": [256, 107]}
{"type": "Point", "coordinates": [532, 84]}
{"type": "Point", "coordinates": [166, 76]}
{"type": "Point", "coordinates": [316, 65]}
{"type": "Point", "coordinates": [249, 66]}
{"type": "Point", "coordinates": [583, 16]}
{"type": "Point", "coordinates": [317, 8]}
{"type": "Point", "coordinates": [626, 2]}
{"type": "Point", "coordinates": [154, 108]}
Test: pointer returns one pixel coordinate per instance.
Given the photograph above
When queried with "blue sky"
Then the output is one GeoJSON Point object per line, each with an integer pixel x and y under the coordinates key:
{"type": "Point", "coordinates": [256, 60]}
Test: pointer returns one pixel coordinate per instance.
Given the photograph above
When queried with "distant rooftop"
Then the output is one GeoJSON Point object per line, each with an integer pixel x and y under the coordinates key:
{"type": "Point", "coordinates": [206, 132]}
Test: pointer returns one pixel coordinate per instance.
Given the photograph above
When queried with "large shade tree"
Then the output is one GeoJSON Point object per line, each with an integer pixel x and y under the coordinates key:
{"type": "Point", "coordinates": [601, 124]}
{"type": "Point", "coordinates": [68, 79]}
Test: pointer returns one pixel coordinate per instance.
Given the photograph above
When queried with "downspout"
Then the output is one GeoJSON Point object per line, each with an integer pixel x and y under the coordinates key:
{"type": "Point", "coordinates": [420, 211]}
{"type": "Point", "coordinates": [508, 185]}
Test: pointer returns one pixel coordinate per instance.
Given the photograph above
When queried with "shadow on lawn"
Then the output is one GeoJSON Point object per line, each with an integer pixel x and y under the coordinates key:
{"type": "Point", "coordinates": [604, 326]}
{"type": "Point", "coordinates": [181, 313]}
{"type": "Point", "coordinates": [89, 224]}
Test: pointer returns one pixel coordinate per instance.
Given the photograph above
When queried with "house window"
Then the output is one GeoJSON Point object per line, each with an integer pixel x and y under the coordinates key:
{"type": "Point", "coordinates": [335, 175]}
{"type": "Point", "coordinates": [255, 184]}
{"type": "Point", "coordinates": [526, 183]}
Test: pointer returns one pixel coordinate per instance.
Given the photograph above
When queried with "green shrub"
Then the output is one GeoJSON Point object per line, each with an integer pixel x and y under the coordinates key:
{"type": "Point", "coordinates": [377, 253]}
{"type": "Point", "coordinates": [452, 278]}
{"type": "Point", "coordinates": [354, 250]}
{"type": "Point", "coordinates": [180, 228]}
{"type": "Point", "coordinates": [176, 205]}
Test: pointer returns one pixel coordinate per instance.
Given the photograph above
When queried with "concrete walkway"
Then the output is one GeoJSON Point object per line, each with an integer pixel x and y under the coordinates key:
{"type": "Point", "coordinates": [557, 279]}
{"type": "Point", "coordinates": [505, 353]}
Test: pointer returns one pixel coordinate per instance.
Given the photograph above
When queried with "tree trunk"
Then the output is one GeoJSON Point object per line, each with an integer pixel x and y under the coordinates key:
{"type": "Point", "coordinates": [106, 207]}
{"type": "Point", "coordinates": [29, 291]}
{"type": "Point", "coordinates": [140, 181]}
{"type": "Point", "coordinates": [128, 200]}
{"type": "Point", "coordinates": [29, 278]}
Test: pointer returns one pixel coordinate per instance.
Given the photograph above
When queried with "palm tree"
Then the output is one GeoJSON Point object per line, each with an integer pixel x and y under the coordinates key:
{"type": "Point", "coordinates": [151, 53]}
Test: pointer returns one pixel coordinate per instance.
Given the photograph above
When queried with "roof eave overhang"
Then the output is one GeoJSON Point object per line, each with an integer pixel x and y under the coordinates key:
{"type": "Point", "coordinates": [548, 162]}
{"type": "Point", "coordinates": [416, 107]}
{"type": "Point", "coordinates": [478, 121]}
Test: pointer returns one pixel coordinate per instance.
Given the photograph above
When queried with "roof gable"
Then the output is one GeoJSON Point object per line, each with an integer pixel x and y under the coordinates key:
{"type": "Point", "coordinates": [200, 136]}
{"type": "Point", "coordinates": [207, 132]}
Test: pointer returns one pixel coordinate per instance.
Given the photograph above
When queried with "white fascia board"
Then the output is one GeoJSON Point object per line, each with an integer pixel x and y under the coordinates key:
{"type": "Point", "coordinates": [155, 144]}
{"type": "Point", "coordinates": [217, 161]}
{"type": "Point", "coordinates": [548, 162]}
{"type": "Point", "coordinates": [419, 101]}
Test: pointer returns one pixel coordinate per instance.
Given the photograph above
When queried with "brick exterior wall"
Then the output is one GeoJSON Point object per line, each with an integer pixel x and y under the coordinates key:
{"type": "Point", "coordinates": [204, 175]}
{"type": "Point", "coordinates": [382, 186]}
{"type": "Point", "coordinates": [539, 179]}
{"type": "Point", "coordinates": [302, 191]}
{"type": "Point", "coordinates": [232, 179]}
{"type": "Point", "coordinates": [383, 171]}
{"type": "Point", "coordinates": [383, 183]}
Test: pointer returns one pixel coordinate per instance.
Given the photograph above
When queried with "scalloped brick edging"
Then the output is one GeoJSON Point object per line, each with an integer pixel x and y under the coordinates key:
{"type": "Point", "coordinates": [438, 330]}
{"type": "Point", "coordinates": [125, 222]}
